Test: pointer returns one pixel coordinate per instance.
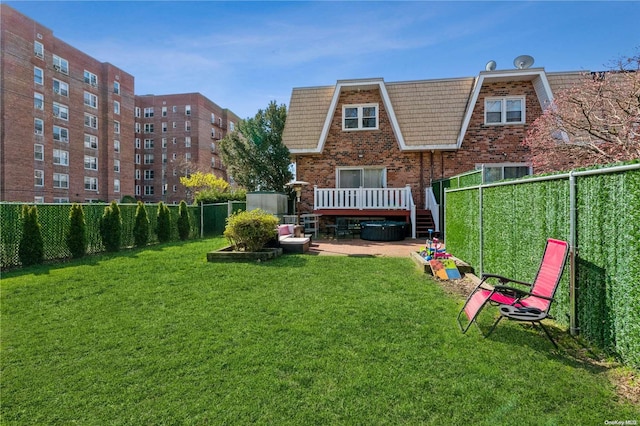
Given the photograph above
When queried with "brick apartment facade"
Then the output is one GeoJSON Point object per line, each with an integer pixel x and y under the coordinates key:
{"type": "Point", "coordinates": [175, 135]}
{"type": "Point", "coordinates": [68, 129]}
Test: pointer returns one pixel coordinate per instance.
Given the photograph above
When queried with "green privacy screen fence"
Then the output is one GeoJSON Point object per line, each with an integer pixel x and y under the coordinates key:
{"type": "Point", "coordinates": [206, 220]}
{"type": "Point", "coordinates": [502, 228]}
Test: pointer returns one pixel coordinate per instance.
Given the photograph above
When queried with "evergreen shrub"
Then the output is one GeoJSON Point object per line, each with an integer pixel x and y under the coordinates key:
{"type": "Point", "coordinates": [76, 237]}
{"type": "Point", "coordinates": [111, 227]}
{"type": "Point", "coordinates": [141, 226]}
{"type": "Point", "coordinates": [31, 249]}
{"type": "Point", "coordinates": [184, 225]}
{"type": "Point", "coordinates": [163, 223]}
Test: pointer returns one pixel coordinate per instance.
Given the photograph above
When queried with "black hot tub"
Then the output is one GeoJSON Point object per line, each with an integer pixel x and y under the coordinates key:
{"type": "Point", "coordinates": [383, 231]}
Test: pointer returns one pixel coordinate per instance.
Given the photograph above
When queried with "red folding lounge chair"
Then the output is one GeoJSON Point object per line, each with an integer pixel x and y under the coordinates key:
{"type": "Point", "coordinates": [530, 305]}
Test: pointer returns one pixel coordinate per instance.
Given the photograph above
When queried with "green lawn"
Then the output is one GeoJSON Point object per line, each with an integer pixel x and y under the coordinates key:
{"type": "Point", "coordinates": [160, 336]}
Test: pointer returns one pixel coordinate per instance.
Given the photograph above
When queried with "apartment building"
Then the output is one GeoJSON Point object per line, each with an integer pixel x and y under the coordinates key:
{"type": "Point", "coordinates": [67, 119]}
{"type": "Point", "coordinates": [72, 129]}
{"type": "Point", "coordinates": [176, 135]}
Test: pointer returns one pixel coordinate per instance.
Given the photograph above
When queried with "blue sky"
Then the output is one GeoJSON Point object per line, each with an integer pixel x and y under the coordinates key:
{"type": "Point", "coordinates": [242, 55]}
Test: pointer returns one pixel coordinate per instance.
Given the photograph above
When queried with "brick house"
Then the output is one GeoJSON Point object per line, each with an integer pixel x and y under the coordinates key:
{"type": "Point", "coordinates": [370, 148]}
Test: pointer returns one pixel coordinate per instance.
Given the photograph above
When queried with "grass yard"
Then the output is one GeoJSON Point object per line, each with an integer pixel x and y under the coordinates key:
{"type": "Point", "coordinates": [160, 336]}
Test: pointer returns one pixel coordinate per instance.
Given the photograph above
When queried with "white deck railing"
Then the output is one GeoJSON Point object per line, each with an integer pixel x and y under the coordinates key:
{"type": "Point", "coordinates": [362, 198]}
{"type": "Point", "coordinates": [432, 204]}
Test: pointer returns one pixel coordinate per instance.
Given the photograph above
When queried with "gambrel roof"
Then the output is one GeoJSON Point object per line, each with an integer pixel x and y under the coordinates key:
{"type": "Point", "coordinates": [424, 114]}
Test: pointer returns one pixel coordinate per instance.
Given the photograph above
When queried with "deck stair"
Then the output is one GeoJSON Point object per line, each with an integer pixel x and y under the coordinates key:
{"type": "Point", "coordinates": [424, 222]}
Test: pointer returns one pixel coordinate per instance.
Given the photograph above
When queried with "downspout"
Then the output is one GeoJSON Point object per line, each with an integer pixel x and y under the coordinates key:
{"type": "Point", "coordinates": [480, 222]}
{"type": "Point", "coordinates": [573, 320]}
{"type": "Point", "coordinates": [421, 198]}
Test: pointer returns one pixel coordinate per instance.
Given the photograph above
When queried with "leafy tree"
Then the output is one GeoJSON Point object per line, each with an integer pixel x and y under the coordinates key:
{"type": "Point", "coordinates": [184, 225]}
{"type": "Point", "coordinates": [77, 233]}
{"type": "Point", "coordinates": [141, 226]}
{"type": "Point", "coordinates": [111, 227]}
{"type": "Point", "coordinates": [200, 182]}
{"type": "Point", "coordinates": [31, 248]}
{"type": "Point", "coordinates": [163, 224]}
{"type": "Point", "coordinates": [254, 155]}
{"type": "Point", "coordinates": [594, 122]}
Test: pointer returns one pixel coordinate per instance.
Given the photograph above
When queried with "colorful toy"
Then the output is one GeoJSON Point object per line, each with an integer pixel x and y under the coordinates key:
{"type": "Point", "coordinates": [434, 250]}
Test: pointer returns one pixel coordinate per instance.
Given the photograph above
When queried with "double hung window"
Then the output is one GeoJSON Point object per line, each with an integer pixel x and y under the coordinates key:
{"type": "Point", "coordinates": [507, 110]}
{"type": "Point", "coordinates": [360, 117]}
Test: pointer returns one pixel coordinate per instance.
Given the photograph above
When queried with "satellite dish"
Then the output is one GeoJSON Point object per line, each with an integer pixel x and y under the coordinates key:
{"type": "Point", "coordinates": [491, 66]}
{"type": "Point", "coordinates": [523, 62]}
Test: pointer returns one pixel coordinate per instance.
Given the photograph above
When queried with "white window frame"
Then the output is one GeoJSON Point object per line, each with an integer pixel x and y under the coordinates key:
{"type": "Point", "coordinates": [60, 88]}
{"type": "Point", "coordinates": [148, 112]}
{"type": "Point", "coordinates": [38, 152]}
{"type": "Point", "coordinates": [38, 49]}
{"type": "Point", "coordinates": [90, 141]}
{"type": "Point", "coordinates": [60, 157]}
{"type": "Point", "coordinates": [148, 159]}
{"type": "Point", "coordinates": [149, 174]}
{"type": "Point", "coordinates": [187, 142]}
{"type": "Point", "coordinates": [136, 112]}
{"type": "Point", "coordinates": [90, 162]}
{"type": "Point", "coordinates": [149, 190]}
{"type": "Point", "coordinates": [360, 118]}
{"type": "Point", "coordinates": [90, 121]}
{"type": "Point", "coordinates": [116, 88]}
{"type": "Point", "coordinates": [90, 183]}
{"type": "Point", "coordinates": [137, 173]}
{"type": "Point", "coordinates": [90, 78]}
{"type": "Point", "coordinates": [362, 172]}
{"type": "Point", "coordinates": [148, 144]}
{"type": "Point", "coordinates": [164, 111]}
{"type": "Point", "coordinates": [501, 166]}
{"type": "Point", "coordinates": [38, 76]}
{"type": "Point", "coordinates": [38, 178]}
{"type": "Point", "coordinates": [504, 100]}
{"type": "Point", "coordinates": [116, 107]}
{"type": "Point", "coordinates": [116, 166]}
{"type": "Point", "coordinates": [116, 145]}
{"type": "Point", "coordinates": [116, 185]}
{"type": "Point", "coordinates": [60, 200]}
{"type": "Point", "coordinates": [60, 64]}
{"type": "Point", "coordinates": [61, 111]}
{"type": "Point", "coordinates": [61, 180]}
{"type": "Point", "coordinates": [90, 100]}
{"type": "Point", "coordinates": [38, 126]}
{"type": "Point", "coordinates": [60, 134]}
{"type": "Point", "coordinates": [138, 190]}
{"type": "Point", "coordinates": [38, 101]}
{"type": "Point", "coordinates": [116, 127]}
{"type": "Point", "coordinates": [187, 110]}
{"type": "Point", "coordinates": [148, 127]}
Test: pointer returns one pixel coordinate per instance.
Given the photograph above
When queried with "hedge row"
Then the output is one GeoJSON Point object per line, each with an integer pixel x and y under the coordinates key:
{"type": "Point", "coordinates": [518, 218]}
{"type": "Point", "coordinates": [55, 223]}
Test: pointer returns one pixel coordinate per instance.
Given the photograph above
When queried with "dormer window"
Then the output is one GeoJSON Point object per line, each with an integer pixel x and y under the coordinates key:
{"type": "Point", "coordinates": [507, 110]}
{"type": "Point", "coordinates": [360, 117]}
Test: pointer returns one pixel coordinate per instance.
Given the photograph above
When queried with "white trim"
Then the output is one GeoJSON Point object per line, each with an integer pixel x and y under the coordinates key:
{"type": "Point", "coordinates": [537, 76]}
{"type": "Point", "coordinates": [360, 117]}
{"type": "Point", "coordinates": [503, 110]}
{"type": "Point", "coordinates": [344, 84]}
